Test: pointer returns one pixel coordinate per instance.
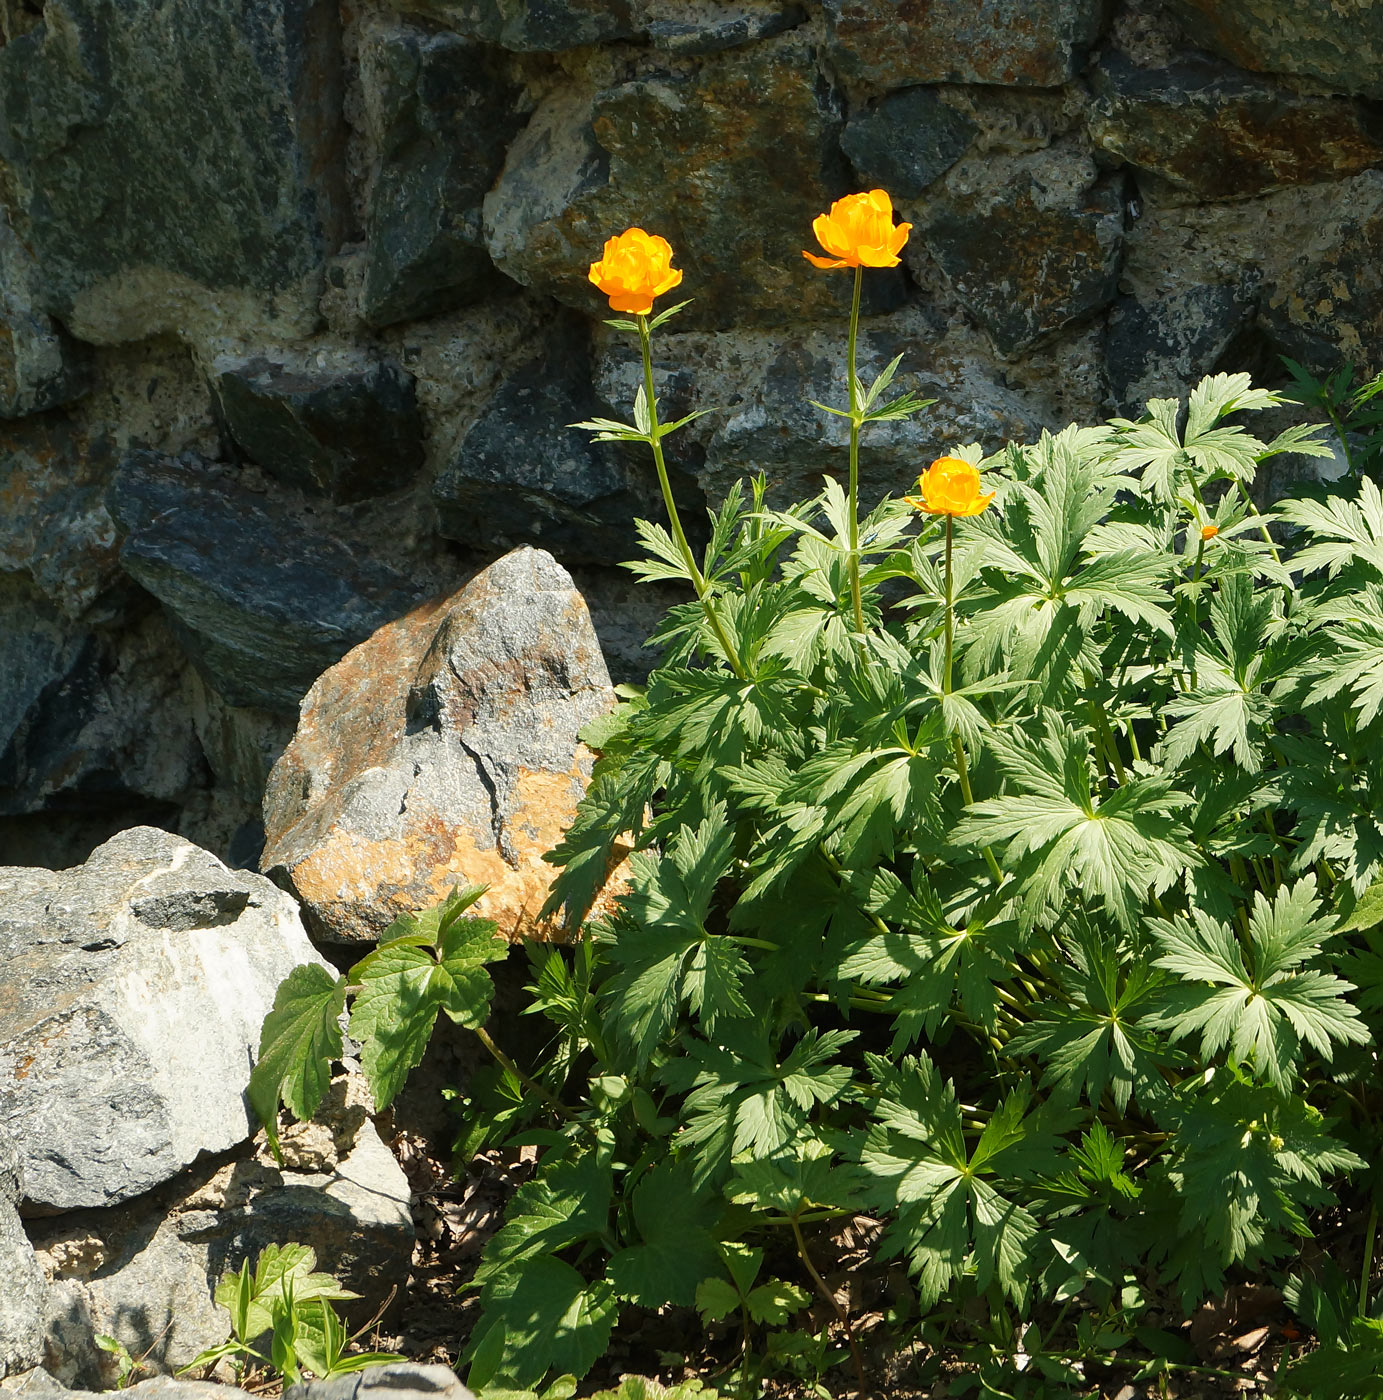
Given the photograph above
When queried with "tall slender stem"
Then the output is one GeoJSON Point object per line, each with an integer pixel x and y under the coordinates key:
{"type": "Point", "coordinates": [655, 441]}
{"type": "Point", "coordinates": [823, 1288]}
{"type": "Point", "coordinates": [1366, 1273]}
{"type": "Point", "coordinates": [962, 768]}
{"type": "Point", "coordinates": [854, 511]}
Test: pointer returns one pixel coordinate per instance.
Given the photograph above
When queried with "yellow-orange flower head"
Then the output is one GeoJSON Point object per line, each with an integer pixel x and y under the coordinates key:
{"type": "Point", "coordinates": [950, 486]}
{"type": "Point", "coordinates": [859, 232]}
{"type": "Point", "coordinates": [634, 268]}
{"type": "Point", "coordinates": [1208, 532]}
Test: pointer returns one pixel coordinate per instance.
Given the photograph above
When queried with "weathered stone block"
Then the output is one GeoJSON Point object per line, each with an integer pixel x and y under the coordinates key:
{"type": "Point", "coordinates": [1340, 43]}
{"type": "Point", "coordinates": [175, 160]}
{"type": "Point", "coordinates": [1163, 343]}
{"type": "Point", "coordinates": [348, 434]}
{"type": "Point", "coordinates": [775, 429]}
{"type": "Point", "coordinates": [1215, 133]}
{"type": "Point", "coordinates": [737, 216]}
{"type": "Point", "coordinates": [541, 26]}
{"type": "Point", "coordinates": [524, 475]}
{"type": "Point", "coordinates": [262, 604]}
{"type": "Point", "coordinates": [895, 43]}
{"type": "Point", "coordinates": [40, 367]}
{"type": "Point", "coordinates": [137, 984]}
{"type": "Point", "coordinates": [906, 141]}
{"type": "Point", "coordinates": [396, 1381]}
{"type": "Point", "coordinates": [443, 115]}
{"type": "Point", "coordinates": [691, 30]}
{"type": "Point", "coordinates": [22, 1287]}
{"type": "Point", "coordinates": [1030, 245]}
{"type": "Point", "coordinates": [441, 752]}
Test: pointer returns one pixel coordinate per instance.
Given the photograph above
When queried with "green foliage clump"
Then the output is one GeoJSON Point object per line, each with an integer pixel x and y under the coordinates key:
{"type": "Point", "coordinates": [1013, 879]}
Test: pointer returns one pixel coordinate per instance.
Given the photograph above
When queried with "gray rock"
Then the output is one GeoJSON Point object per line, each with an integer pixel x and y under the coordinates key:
{"type": "Point", "coordinates": [442, 751]}
{"type": "Point", "coordinates": [22, 1286]}
{"type": "Point", "coordinates": [348, 433]}
{"type": "Point", "coordinates": [1340, 44]}
{"type": "Point", "coordinates": [778, 431]}
{"type": "Point", "coordinates": [55, 528]}
{"type": "Point", "coordinates": [92, 721]}
{"type": "Point", "coordinates": [524, 475]}
{"type": "Point", "coordinates": [145, 1272]}
{"type": "Point", "coordinates": [32, 1383]}
{"type": "Point", "coordinates": [1030, 245]}
{"type": "Point", "coordinates": [1160, 346]}
{"type": "Point", "coordinates": [403, 1379]}
{"type": "Point", "coordinates": [906, 141]}
{"type": "Point", "coordinates": [262, 603]}
{"type": "Point", "coordinates": [443, 114]}
{"type": "Point", "coordinates": [130, 242]}
{"type": "Point", "coordinates": [139, 983]}
{"type": "Point", "coordinates": [710, 28]}
{"type": "Point", "coordinates": [40, 367]}
{"type": "Point", "coordinates": [529, 26]}
{"type": "Point", "coordinates": [1213, 132]}
{"type": "Point", "coordinates": [894, 43]}
{"type": "Point", "coordinates": [580, 172]}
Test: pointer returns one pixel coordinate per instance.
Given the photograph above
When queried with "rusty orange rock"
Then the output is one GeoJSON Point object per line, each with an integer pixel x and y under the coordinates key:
{"type": "Point", "coordinates": [442, 751]}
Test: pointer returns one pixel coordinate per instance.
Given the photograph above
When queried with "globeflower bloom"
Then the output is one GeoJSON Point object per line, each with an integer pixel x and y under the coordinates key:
{"type": "Point", "coordinates": [634, 268]}
{"type": "Point", "coordinates": [1208, 532]}
{"type": "Point", "coordinates": [950, 486]}
{"type": "Point", "coordinates": [859, 232]}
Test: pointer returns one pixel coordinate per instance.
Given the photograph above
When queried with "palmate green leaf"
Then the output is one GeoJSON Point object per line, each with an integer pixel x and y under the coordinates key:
{"type": "Point", "coordinates": [1094, 1040]}
{"type": "Point", "coordinates": [1352, 1370]}
{"type": "Point", "coordinates": [1059, 836]}
{"type": "Point", "coordinates": [436, 962]}
{"type": "Point", "coordinates": [1343, 532]}
{"type": "Point", "coordinates": [543, 1318]}
{"type": "Point", "coordinates": [280, 1271]}
{"type": "Point", "coordinates": [1247, 1166]}
{"type": "Point", "coordinates": [741, 1100]}
{"type": "Point", "coordinates": [1260, 1006]}
{"type": "Point", "coordinates": [949, 1218]}
{"type": "Point", "coordinates": [677, 1248]}
{"type": "Point", "coordinates": [299, 1039]}
{"type": "Point", "coordinates": [1349, 651]}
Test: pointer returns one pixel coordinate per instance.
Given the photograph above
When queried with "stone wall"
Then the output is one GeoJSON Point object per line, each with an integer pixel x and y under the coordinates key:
{"type": "Point", "coordinates": [294, 307]}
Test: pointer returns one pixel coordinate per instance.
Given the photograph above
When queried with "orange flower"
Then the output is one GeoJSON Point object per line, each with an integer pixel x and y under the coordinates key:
{"type": "Point", "coordinates": [859, 232]}
{"type": "Point", "coordinates": [635, 268]}
{"type": "Point", "coordinates": [950, 486]}
{"type": "Point", "coordinates": [1208, 532]}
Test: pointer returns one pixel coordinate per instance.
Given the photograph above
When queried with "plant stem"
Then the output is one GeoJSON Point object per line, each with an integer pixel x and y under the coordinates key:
{"type": "Point", "coordinates": [1370, 1231]}
{"type": "Point", "coordinates": [854, 495]}
{"type": "Point", "coordinates": [655, 441]}
{"type": "Point", "coordinates": [1262, 529]}
{"type": "Point", "coordinates": [962, 768]}
{"type": "Point", "coordinates": [831, 1299]}
{"type": "Point", "coordinates": [528, 1082]}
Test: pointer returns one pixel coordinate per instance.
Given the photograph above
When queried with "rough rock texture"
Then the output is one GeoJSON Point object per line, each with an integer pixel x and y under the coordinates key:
{"type": "Point", "coordinates": [524, 475]}
{"type": "Point", "coordinates": [22, 1286]}
{"type": "Point", "coordinates": [443, 751]}
{"type": "Point", "coordinates": [265, 604]}
{"type": "Point", "coordinates": [348, 434]}
{"type": "Point", "coordinates": [443, 113]}
{"type": "Point", "coordinates": [907, 140]}
{"type": "Point", "coordinates": [777, 430]}
{"type": "Point", "coordinates": [1339, 43]}
{"type": "Point", "coordinates": [687, 30]}
{"type": "Point", "coordinates": [1029, 245]}
{"type": "Point", "coordinates": [891, 43]}
{"type": "Point", "coordinates": [531, 25]}
{"type": "Point", "coordinates": [1214, 133]}
{"type": "Point", "coordinates": [400, 1379]}
{"type": "Point", "coordinates": [1177, 335]}
{"type": "Point", "coordinates": [129, 241]}
{"type": "Point", "coordinates": [581, 170]}
{"type": "Point", "coordinates": [136, 986]}
{"type": "Point", "coordinates": [40, 366]}
{"type": "Point", "coordinates": [39, 1383]}
{"type": "Point", "coordinates": [145, 1272]}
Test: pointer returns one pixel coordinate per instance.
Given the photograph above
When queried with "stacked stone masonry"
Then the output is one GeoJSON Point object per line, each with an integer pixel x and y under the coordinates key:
{"type": "Point", "coordinates": [294, 311]}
